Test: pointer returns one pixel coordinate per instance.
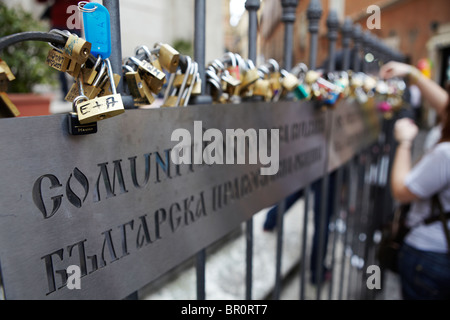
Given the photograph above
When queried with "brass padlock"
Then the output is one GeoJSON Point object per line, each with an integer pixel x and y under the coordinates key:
{"type": "Point", "coordinates": [154, 78]}
{"type": "Point", "coordinates": [4, 69]}
{"type": "Point", "coordinates": [72, 67]}
{"type": "Point", "coordinates": [179, 78]}
{"type": "Point", "coordinates": [169, 58]}
{"type": "Point", "coordinates": [7, 107]}
{"type": "Point", "coordinates": [171, 101]}
{"type": "Point", "coordinates": [4, 83]}
{"type": "Point", "coordinates": [261, 87]}
{"type": "Point", "coordinates": [311, 76]}
{"type": "Point", "coordinates": [77, 49]}
{"type": "Point", "coordinates": [290, 81]}
{"type": "Point", "coordinates": [249, 78]}
{"type": "Point", "coordinates": [57, 60]}
{"type": "Point", "coordinates": [197, 90]}
{"type": "Point", "coordinates": [230, 83]}
{"type": "Point", "coordinates": [275, 81]}
{"type": "Point", "coordinates": [6, 76]}
{"type": "Point", "coordinates": [90, 91]}
{"type": "Point", "coordinates": [233, 69]}
{"type": "Point", "coordinates": [104, 107]}
{"type": "Point", "coordinates": [75, 127]}
{"type": "Point", "coordinates": [106, 86]}
{"type": "Point", "coordinates": [89, 74]}
{"type": "Point", "coordinates": [138, 88]}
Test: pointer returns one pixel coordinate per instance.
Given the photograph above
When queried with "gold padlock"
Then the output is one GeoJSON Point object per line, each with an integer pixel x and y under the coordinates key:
{"type": "Point", "coordinates": [139, 89]}
{"type": "Point", "coordinates": [104, 107]}
{"type": "Point", "coordinates": [249, 77]}
{"type": "Point", "coordinates": [7, 107]}
{"type": "Point", "coordinates": [77, 49]}
{"type": "Point", "coordinates": [179, 78]}
{"type": "Point", "coordinates": [106, 87]}
{"type": "Point", "coordinates": [6, 76]}
{"type": "Point", "coordinates": [311, 76]}
{"type": "Point", "coordinates": [275, 81]}
{"type": "Point", "coordinates": [57, 60]}
{"type": "Point", "coordinates": [197, 90]}
{"type": "Point", "coordinates": [261, 87]}
{"type": "Point", "coordinates": [72, 67]}
{"type": "Point", "coordinates": [171, 101]}
{"type": "Point", "coordinates": [169, 58]}
{"type": "Point", "coordinates": [290, 81]}
{"type": "Point", "coordinates": [89, 74]}
{"type": "Point", "coordinates": [4, 69]}
{"type": "Point", "coordinates": [154, 78]}
{"type": "Point", "coordinates": [132, 78]}
{"type": "Point", "coordinates": [3, 82]}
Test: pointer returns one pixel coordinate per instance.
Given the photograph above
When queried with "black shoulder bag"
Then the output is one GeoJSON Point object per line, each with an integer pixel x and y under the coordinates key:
{"type": "Point", "coordinates": [394, 233]}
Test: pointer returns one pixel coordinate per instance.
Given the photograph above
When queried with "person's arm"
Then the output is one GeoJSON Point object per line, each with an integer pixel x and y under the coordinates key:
{"type": "Point", "coordinates": [431, 91]}
{"type": "Point", "coordinates": [404, 131]}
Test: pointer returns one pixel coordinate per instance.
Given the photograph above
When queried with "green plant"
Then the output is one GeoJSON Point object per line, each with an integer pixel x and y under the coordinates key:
{"type": "Point", "coordinates": [26, 59]}
{"type": "Point", "coordinates": [184, 47]}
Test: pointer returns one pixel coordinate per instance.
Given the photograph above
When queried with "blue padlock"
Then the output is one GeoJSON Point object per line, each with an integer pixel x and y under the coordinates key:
{"type": "Point", "coordinates": [332, 98]}
{"type": "Point", "coordinates": [97, 28]}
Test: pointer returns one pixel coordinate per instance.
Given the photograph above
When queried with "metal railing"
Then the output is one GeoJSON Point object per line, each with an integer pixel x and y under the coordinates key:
{"type": "Point", "coordinates": [354, 220]}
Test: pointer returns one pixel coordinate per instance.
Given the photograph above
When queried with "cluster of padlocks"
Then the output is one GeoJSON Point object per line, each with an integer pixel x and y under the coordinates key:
{"type": "Point", "coordinates": [164, 72]}
{"type": "Point", "coordinates": [233, 79]}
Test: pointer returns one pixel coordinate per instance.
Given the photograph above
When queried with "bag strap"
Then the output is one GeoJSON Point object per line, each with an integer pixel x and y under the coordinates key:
{"type": "Point", "coordinates": [442, 217]}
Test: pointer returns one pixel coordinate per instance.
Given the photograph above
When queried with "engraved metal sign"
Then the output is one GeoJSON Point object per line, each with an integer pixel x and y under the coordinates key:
{"type": "Point", "coordinates": [114, 203]}
{"type": "Point", "coordinates": [353, 127]}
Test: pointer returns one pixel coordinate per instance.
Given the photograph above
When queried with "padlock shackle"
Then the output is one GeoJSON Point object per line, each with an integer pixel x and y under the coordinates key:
{"type": "Point", "coordinates": [127, 68]}
{"type": "Point", "coordinates": [185, 79]}
{"type": "Point", "coordinates": [183, 64]}
{"type": "Point", "coordinates": [76, 100]}
{"type": "Point", "coordinates": [274, 64]}
{"type": "Point", "coordinates": [111, 76]}
{"type": "Point", "coordinates": [195, 77]}
{"type": "Point", "coordinates": [100, 75]}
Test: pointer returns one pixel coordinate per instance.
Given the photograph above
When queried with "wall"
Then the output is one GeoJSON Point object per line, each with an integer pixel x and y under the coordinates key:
{"type": "Point", "coordinates": [148, 22]}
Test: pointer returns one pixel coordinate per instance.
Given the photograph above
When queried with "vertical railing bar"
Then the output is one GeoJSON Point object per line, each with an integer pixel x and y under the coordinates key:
{"type": "Point", "coordinates": [303, 264]}
{"type": "Point", "coordinates": [366, 49]}
{"type": "Point", "coordinates": [355, 226]}
{"type": "Point", "coordinates": [361, 225]}
{"type": "Point", "coordinates": [200, 262]}
{"type": "Point", "coordinates": [279, 254]}
{"type": "Point", "coordinates": [314, 13]}
{"type": "Point", "coordinates": [367, 221]}
{"type": "Point", "coordinates": [200, 39]}
{"type": "Point", "coordinates": [324, 207]}
{"type": "Point", "coordinates": [333, 25]}
{"type": "Point", "coordinates": [357, 34]}
{"type": "Point", "coordinates": [116, 41]}
{"type": "Point", "coordinates": [349, 170]}
{"type": "Point", "coordinates": [336, 211]}
{"type": "Point", "coordinates": [249, 259]}
{"type": "Point", "coordinates": [355, 207]}
{"type": "Point", "coordinates": [289, 9]}
{"type": "Point", "coordinates": [200, 51]}
{"type": "Point", "coordinates": [346, 31]}
{"type": "Point", "coordinates": [199, 57]}
{"type": "Point", "coordinates": [252, 6]}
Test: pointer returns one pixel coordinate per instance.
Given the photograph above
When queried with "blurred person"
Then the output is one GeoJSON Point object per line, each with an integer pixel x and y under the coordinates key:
{"type": "Point", "coordinates": [424, 259]}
